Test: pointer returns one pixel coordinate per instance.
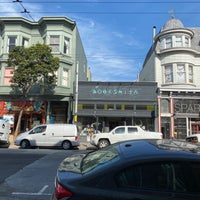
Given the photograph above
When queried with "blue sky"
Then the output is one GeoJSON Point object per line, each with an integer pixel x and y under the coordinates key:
{"type": "Point", "coordinates": [116, 34]}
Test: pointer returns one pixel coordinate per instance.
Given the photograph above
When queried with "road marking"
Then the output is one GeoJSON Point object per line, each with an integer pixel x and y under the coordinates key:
{"type": "Point", "coordinates": [41, 192]}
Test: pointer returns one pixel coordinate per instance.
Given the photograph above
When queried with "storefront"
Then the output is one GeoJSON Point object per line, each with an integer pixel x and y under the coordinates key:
{"type": "Point", "coordinates": [179, 114]}
{"type": "Point", "coordinates": [105, 105]}
{"type": "Point", "coordinates": [34, 113]}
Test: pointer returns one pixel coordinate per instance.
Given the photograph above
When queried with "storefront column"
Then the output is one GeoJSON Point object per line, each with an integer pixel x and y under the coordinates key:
{"type": "Point", "coordinates": [48, 112]}
{"type": "Point", "coordinates": [171, 117]}
{"type": "Point", "coordinates": [159, 114]}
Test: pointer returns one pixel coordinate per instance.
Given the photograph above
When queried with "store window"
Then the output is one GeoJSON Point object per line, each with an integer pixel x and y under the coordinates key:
{"type": "Point", "coordinates": [100, 106]}
{"type": "Point", "coordinates": [165, 107]}
{"type": "Point", "coordinates": [141, 107]}
{"type": "Point", "coordinates": [55, 43]}
{"type": "Point", "coordinates": [88, 106]}
{"type": "Point", "coordinates": [11, 42]}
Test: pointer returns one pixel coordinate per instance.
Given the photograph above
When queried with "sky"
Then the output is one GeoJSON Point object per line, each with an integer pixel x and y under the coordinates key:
{"type": "Point", "coordinates": [116, 34]}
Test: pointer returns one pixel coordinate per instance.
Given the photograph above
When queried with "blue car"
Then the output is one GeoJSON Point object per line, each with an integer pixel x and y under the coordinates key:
{"type": "Point", "coordinates": [132, 170]}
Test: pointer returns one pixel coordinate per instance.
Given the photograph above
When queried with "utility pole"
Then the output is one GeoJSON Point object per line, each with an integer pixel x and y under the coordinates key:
{"type": "Point", "coordinates": [76, 93]}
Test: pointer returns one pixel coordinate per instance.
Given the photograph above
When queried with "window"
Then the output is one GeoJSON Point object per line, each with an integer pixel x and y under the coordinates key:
{"type": "Point", "coordinates": [187, 41]}
{"type": "Point", "coordinates": [8, 75]}
{"type": "Point", "coordinates": [66, 46]}
{"type": "Point", "coordinates": [120, 130]}
{"type": "Point", "coordinates": [179, 42]}
{"type": "Point", "coordinates": [100, 106]}
{"type": "Point", "coordinates": [168, 74]}
{"type": "Point", "coordinates": [11, 42]}
{"type": "Point", "coordinates": [141, 107]}
{"type": "Point", "coordinates": [65, 77]}
{"type": "Point", "coordinates": [161, 176]}
{"type": "Point", "coordinates": [190, 74]}
{"type": "Point", "coordinates": [88, 106]}
{"type": "Point", "coordinates": [39, 129]}
{"type": "Point", "coordinates": [25, 42]}
{"type": "Point", "coordinates": [55, 43]}
{"type": "Point", "coordinates": [181, 76]}
{"type": "Point", "coordinates": [168, 43]}
{"type": "Point", "coordinates": [165, 105]}
{"type": "Point", "coordinates": [132, 130]}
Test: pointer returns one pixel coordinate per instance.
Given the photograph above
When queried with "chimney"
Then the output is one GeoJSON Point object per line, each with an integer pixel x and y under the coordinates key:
{"type": "Point", "coordinates": [154, 32]}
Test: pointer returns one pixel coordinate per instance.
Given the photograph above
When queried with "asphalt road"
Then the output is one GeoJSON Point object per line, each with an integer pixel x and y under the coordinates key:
{"type": "Point", "coordinates": [29, 174]}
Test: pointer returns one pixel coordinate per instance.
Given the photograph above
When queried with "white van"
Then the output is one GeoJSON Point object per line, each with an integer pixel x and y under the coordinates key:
{"type": "Point", "coordinates": [49, 135]}
{"type": "Point", "coordinates": [4, 131]}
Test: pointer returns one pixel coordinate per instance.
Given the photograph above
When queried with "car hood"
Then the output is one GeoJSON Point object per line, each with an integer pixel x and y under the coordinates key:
{"type": "Point", "coordinates": [22, 135]}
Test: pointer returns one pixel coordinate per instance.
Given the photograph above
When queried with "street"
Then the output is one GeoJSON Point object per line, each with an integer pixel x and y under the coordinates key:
{"type": "Point", "coordinates": [29, 173]}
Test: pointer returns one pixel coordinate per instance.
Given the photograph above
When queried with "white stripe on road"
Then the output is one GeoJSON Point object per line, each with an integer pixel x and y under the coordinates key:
{"type": "Point", "coordinates": [41, 192]}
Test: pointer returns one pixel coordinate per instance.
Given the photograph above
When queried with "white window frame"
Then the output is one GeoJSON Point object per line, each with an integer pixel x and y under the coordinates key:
{"type": "Point", "coordinates": [181, 73]}
{"type": "Point", "coordinates": [66, 46]}
{"type": "Point", "coordinates": [168, 42]}
{"type": "Point", "coordinates": [65, 77]}
{"type": "Point", "coordinates": [11, 44]}
{"type": "Point", "coordinates": [25, 42]}
{"type": "Point", "coordinates": [54, 43]}
{"type": "Point", "coordinates": [168, 73]}
{"type": "Point", "coordinates": [190, 74]}
{"type": "Point", "coordinates": [179, 41]}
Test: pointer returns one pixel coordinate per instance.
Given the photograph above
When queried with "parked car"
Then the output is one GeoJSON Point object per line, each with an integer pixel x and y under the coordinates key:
{"type": "Point", "coordinates": [195, 138]}
{"type": "Point", "coordinates": [123, 133]}
{"type": "Point", "coordinates": [137, 169]}
{"type": "Point", "coordinates": [49, 135]}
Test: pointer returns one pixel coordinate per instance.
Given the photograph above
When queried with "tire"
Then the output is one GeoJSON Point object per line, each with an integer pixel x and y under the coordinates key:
{"type": "Point", "coordinates": [25, 144]}
{"type": "Point", "coordinates": [66, 145]}
{"type": "Point", "coordinates": [103, 143]}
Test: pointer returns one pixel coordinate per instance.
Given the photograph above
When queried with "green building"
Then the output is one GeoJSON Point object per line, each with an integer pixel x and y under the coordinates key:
{"type": "Point", "coordinates": [62, 35]}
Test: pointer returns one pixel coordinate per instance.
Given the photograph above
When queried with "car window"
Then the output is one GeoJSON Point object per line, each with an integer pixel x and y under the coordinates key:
{"type": "Point", "coordinates": [120, 130]}
{"type": "Point", "coordinates": [132, 130]}
{"type": "Point", "coordinates": [98, 158]}
{"type": "Point", "coordinates": [162, 176]}
{"type": "Point", "coordinates": [39, 129]}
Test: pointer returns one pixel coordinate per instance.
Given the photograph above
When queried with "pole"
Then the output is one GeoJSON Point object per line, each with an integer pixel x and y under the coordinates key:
{"type": "Point", "coordinates": [76, 94]}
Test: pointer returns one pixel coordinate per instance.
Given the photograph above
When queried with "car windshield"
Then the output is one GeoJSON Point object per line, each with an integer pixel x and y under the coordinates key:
{"type": "Point", "coordinates": [97, 158]}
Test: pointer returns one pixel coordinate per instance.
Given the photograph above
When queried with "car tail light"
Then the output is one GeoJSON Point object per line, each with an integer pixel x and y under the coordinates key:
{"type": "Point", "coordinates": [76, 138]}
{"type": "Point", "coordinates": [62, 193]}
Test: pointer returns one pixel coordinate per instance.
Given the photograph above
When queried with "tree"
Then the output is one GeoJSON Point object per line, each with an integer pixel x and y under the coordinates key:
{"type": "Point", "coordinates": [32, 66]}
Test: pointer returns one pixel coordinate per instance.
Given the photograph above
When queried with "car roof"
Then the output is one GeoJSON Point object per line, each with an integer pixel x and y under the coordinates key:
{"type": "Point", "coordinates": [157, 148]}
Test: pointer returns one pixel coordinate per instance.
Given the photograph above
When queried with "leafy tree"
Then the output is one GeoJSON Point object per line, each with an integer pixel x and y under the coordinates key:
{"type": "Point", "coordinates": [33, 66]}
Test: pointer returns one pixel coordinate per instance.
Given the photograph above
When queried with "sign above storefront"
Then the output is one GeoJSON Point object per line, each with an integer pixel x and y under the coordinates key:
{"type": "Point", "coordinates": [187, 106]}
{"type": "Point", "coordinates": [117, 91]}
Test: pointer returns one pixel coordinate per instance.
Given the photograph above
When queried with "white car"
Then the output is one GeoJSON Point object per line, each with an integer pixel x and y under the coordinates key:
{"type": "Point", "coordinates": [193, 138]}
{"type": "Point", "coordinates": [123, 133]}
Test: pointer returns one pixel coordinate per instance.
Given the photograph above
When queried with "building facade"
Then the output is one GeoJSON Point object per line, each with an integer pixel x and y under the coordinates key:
{"type": "Point", "coordinates": [62, 35]}
{"type": "Point", "coordinates": [105, 105]}
{"type": "Point", "coordinates": [173, 61]}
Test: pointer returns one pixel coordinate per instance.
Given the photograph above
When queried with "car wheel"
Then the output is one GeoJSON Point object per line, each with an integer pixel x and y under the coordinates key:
{"type": "Point", "coordinates": [66, 145]}
{"type": "Point", "coordinates": [25, 144]}
{"type": "Point", "coordinates": [103, 143]}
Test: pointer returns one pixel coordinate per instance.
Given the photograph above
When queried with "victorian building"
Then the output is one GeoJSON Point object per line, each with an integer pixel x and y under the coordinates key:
{"type": "Point", "coordinates": [62, 35]}
{"type": "Point", "coordinates": [173, 61]}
